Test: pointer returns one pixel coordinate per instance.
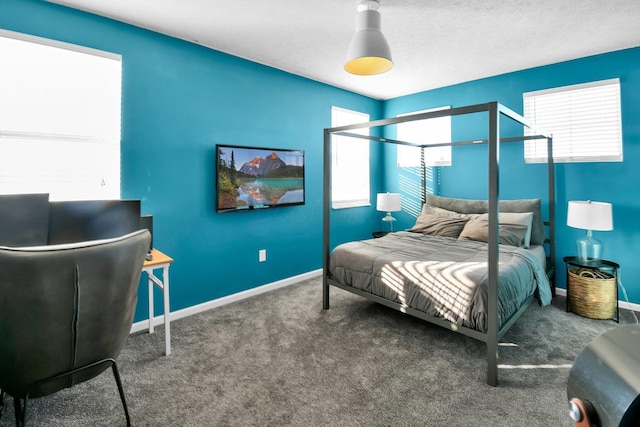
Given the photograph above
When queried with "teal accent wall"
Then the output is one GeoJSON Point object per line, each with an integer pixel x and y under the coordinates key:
{"type": "Point", "coordinates": [178, 101]}
{"type": "Point", "coordinates": [616, 183]}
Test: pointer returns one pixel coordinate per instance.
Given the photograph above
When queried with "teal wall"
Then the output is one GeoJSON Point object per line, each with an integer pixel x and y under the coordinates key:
{"type": "Point", "coordinates": [616, 183]}
{"type": "Point", "coordinates": [178, 101]}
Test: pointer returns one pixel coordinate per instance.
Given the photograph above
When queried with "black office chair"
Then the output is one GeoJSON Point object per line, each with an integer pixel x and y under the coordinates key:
{"type": "Point", "coordinates": [65, 314]}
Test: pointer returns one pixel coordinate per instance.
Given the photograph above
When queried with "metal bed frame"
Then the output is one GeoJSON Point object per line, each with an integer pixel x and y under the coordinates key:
{"type": "Point", "coordinates": [496, 110]}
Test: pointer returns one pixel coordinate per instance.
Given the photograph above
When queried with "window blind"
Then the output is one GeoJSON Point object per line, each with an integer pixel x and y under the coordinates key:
{"type": "Point", "coordinates": [583, 119]}
{"type": "Point", "coordinates": [59, 119]}
{"type": "Point", "coordinates": [350, 182]}
{"type": "Point", "coordinates": [429, 131]}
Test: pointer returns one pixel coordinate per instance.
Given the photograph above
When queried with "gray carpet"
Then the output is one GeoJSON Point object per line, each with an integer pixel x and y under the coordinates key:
{"type": "Point", "coordinates": [278, 359]}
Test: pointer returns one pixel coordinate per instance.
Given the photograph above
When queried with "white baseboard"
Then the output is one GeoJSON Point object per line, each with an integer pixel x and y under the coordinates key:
{"type": "Point", "coordinates": [621, 304]}
{"type": "Point", "coordinates": [189, 311]}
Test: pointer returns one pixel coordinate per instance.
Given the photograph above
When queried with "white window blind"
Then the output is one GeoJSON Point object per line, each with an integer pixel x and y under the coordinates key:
{"type": "Point", "coordinates": [429, 131]}
{"type": "Point", "coordinates": [350, 182]}
{"type": "Point", "coordinates": [59, 119]}
{"type": "Point", "coordinates": [583, 119]}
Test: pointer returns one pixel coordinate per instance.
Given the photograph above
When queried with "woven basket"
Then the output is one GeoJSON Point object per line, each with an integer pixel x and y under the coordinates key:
{"type": "Point", "coordinates": [592, 293]}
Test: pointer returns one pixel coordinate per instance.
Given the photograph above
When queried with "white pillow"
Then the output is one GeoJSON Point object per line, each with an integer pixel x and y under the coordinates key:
{"type": "Point", "coordinates": [525, 218]}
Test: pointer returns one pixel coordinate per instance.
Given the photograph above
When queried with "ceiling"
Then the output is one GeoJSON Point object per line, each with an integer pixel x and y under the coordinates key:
{"type": "Point", "coordinates": [434, 43]}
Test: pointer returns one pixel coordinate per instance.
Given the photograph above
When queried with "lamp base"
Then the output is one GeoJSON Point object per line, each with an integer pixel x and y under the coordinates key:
{"type": "Point", "coordinates": [589, 248]}
{"type": "Point", "coordinates": [389, 219]}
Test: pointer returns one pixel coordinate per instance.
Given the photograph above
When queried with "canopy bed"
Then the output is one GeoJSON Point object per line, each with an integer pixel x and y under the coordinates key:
{"type": "Point", "coordinates": [440, 270]}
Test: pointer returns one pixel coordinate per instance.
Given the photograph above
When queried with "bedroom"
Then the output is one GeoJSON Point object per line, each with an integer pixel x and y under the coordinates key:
{"type": "Point", "coordinates": [180, 99]}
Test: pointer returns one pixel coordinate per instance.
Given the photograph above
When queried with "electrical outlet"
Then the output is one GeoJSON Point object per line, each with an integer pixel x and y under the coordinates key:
{"type": "Point", "coordinates": [262, 255]}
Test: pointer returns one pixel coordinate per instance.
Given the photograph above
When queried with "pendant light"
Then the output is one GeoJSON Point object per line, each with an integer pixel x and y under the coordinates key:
{"type": "Point", "coordinates": [369, 52]}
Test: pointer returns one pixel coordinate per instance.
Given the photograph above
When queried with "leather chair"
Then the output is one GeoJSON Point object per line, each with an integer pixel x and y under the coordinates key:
{"type": "Point", "coordinates": [65, 314]}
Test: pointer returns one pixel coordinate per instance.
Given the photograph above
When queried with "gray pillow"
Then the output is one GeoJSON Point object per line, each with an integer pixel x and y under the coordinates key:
{"type": "Point", "coordinates": [443, 212]}
{"type": "Point", "coordinates": [478, 229]}
{"type": "Point", "coordinates": [538, 234]}
{"type": "Point", "coordinates": [517, 219]}
{"type": "Point", "coordinates": [439, 225]}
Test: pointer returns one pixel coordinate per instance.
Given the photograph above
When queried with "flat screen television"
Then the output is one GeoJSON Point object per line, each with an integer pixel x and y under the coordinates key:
{"type": "Point", "coordinates": [82, 220]}
{"type": "Point", "coordinates": [257, 178]}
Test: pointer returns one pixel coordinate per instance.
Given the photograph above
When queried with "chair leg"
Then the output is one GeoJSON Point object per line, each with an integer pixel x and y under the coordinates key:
{"type": "Point", "coordinates": [21, 411]}
{"type": "Point", "coordinates": [116, 375]}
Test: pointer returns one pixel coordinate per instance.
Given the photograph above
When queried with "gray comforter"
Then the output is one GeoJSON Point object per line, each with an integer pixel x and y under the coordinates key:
{"type": "Point", "coordinates": [440, 276]}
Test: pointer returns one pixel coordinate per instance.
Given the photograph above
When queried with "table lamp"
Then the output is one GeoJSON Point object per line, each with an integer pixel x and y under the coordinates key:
{"type": "Point", "coordinates": [388, 202]}
{"type": "Point", "coordinates": [589, 216]}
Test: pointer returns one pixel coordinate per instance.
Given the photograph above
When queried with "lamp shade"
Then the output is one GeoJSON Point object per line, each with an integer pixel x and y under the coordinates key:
{"type": "Point", "coordinates": [368, 52]}
{"type": "Point", "coordinates": [589, 215]}
{"type": "Point", "coordinates": [388, 202]}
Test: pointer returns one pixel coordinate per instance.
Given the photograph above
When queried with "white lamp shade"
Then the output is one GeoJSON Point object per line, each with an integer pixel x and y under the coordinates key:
{"type": "Point", "coordinates": [388, 202]}
{"type": "Point", "coordinates": [368, 52]}
{"type": "Point", "coordinates": [589, 215]}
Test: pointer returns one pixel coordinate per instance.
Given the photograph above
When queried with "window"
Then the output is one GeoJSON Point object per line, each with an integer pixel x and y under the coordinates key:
{"type": "Point", "coordinates": [429, 131]}
{"type": "Point", "coordinates": [583, 119]}
{"type": "Point", "coordinates": [59, 119]}
{"type": "Point", "coordinates": [350, 185]}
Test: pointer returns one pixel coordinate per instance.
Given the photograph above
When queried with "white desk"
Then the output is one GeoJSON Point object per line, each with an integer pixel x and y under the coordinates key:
{"type": "Point", "coordinates": [158, 261]}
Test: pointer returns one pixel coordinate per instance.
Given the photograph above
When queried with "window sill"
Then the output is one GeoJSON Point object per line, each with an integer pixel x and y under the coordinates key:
{"type": "Point", "coordinates": [350, 204]}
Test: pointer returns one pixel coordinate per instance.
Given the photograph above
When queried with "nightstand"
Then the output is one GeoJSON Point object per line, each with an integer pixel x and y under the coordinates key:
{"type": "Point", "coordinates": [592, 288]}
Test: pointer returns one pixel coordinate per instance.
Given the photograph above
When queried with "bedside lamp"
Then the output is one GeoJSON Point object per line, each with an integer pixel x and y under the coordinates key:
{"type": "Point", "coordinates": [388, 202]}
{"type": "Point", "coordinates": [590, 216]}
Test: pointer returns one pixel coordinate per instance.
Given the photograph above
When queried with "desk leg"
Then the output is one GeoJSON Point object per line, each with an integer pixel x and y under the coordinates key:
{"type": "Point", "coordinates": [167, 311]}
{"type": "Point", "coordinates": [150, 304]}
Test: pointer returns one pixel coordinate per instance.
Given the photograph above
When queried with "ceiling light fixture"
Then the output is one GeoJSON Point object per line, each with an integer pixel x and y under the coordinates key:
{"type": "Point", "coordinates": [368, 52]}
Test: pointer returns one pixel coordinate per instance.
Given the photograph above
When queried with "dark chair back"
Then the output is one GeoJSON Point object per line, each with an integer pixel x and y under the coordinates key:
{"type": "Point", "coordinates": [63, 307]}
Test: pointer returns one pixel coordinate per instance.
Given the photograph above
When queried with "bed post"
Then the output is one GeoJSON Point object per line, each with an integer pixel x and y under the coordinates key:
{"type": "Point", "coordinates": [552, 215]}
{"type": "Point", "coordinates": [325, 219]}
{"type": "Point", "coordinates": [492, 290]}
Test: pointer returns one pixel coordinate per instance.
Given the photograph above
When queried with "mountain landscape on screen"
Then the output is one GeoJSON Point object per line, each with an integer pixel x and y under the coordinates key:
{"type": "Point", "coordinates": [259, 166]}
{"type": "Point", "coordinates": [265, 178]}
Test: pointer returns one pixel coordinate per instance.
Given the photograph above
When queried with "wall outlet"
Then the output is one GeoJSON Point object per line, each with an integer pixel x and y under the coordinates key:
{"type": "Point", "coordinates": [262, 255]}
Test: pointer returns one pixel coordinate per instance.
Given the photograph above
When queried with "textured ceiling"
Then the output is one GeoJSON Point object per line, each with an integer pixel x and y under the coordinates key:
{"type": "Point", "coordinates": [434, 43]}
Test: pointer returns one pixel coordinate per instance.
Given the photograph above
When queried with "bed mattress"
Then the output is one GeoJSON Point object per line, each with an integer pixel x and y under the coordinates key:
{"type": "Point", "coordinates": [441, 276]}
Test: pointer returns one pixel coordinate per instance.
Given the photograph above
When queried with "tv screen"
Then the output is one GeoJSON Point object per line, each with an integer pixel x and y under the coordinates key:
{"type": "Point", "coordinates": [255, 178]}
{"type": "Point", "coordinates": [82, 220]}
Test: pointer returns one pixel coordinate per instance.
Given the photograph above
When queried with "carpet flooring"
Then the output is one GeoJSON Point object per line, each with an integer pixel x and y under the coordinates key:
{"type": "Point", "coordinates": [278, 359]}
